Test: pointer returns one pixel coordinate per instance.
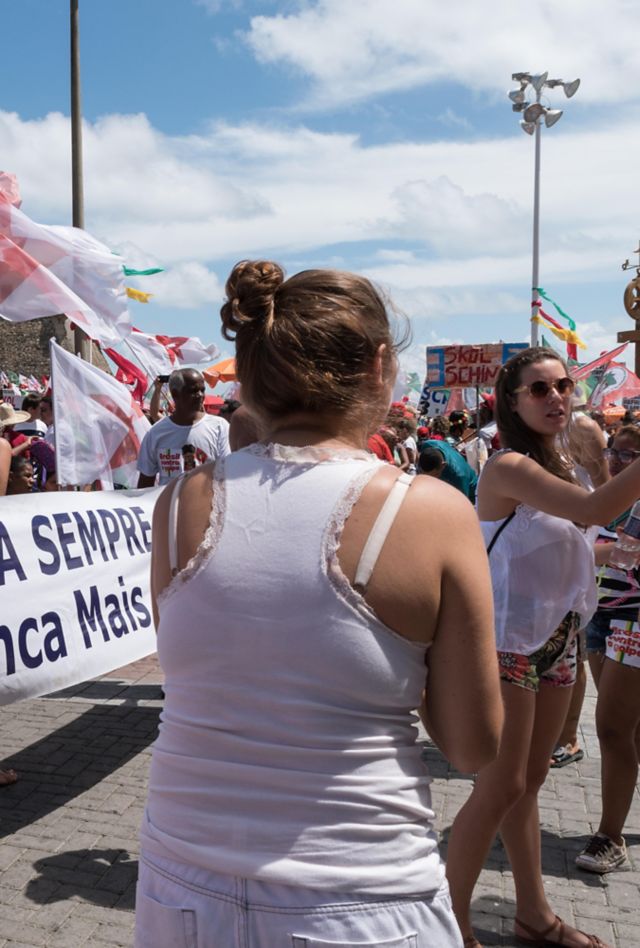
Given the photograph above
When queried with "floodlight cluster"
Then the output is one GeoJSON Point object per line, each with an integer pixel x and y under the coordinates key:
{"type": "Point", "coordinates": [532, 112]}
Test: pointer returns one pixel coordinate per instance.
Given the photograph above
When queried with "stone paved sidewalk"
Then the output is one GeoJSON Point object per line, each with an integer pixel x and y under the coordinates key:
{"type": "Point", "coordinates": [68, 852]}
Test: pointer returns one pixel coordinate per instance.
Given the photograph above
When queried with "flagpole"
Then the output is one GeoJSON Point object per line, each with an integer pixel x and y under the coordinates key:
{"type": "Point", "coordinates": [81, 341]}
{"type": "Point", "coordinates": [52, 343]}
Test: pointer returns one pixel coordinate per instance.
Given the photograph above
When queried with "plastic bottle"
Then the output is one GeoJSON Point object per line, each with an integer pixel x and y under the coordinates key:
{"type": "Point", "coordinates": [626, 552]}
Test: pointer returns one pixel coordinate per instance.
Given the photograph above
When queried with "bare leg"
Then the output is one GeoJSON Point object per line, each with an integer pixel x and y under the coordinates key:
{"type": "Point", "coordinates": [520, 829]}
{"type": "Point", "coordinates": [618, 724]}
{"type": "Point", "coordinates": [569, 733]}
{"type": "Point", "coordinates": [596, 660]}
{"type": "Point", "coordinates": [498, 786]}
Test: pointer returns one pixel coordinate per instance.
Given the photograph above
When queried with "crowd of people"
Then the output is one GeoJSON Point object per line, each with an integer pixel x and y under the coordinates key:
{"type": "Point", "coordinates": [316, 579]}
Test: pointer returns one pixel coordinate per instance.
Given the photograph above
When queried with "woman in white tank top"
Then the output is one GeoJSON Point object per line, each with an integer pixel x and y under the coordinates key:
{"type": "Point", "coordinates": [531, 509]}
{"type": "Point", "coordinates": [304, 591]}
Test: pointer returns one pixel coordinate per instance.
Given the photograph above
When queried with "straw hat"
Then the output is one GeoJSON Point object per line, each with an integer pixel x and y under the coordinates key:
{"type": "Point", "coordinates": [9, 416]}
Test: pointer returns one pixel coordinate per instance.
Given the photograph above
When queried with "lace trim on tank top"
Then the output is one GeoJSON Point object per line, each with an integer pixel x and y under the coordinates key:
{"type": "Point", "coordinates": [331, 565]}
{"type": "Point", "coordinates": [209, 543]}
{"type": "Point", "coordinates": [306, 454]}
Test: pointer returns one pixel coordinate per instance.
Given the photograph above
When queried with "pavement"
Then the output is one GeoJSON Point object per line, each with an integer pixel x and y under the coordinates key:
{"type": "Point", "coordinates": [69, 827]}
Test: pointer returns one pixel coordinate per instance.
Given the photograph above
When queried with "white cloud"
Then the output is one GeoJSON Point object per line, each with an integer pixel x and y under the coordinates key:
{"type": "Point", "coordinates": [445, 225]}
{"type": "Point", "coordinates": [352, 50]}
{"type": "Point", "coordinates": [242, 190]}
{"type": "Point", "coordinates": [453, 222]}
{"type": "Point", "coordinates": [451, 118]}
{"type": "Point", "coordinates": [187, 285]}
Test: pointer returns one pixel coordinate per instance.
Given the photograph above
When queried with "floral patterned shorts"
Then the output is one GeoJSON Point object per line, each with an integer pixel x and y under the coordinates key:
{"type": "Point", "coordinates": [554, 663]}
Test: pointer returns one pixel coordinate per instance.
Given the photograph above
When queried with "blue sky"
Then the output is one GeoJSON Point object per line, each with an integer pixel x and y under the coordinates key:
{"type": "Point", "coordinates": [370, 136]}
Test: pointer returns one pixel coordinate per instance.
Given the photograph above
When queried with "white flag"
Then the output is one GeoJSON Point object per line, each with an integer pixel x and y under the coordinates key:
{"type": "Point", "coordinates": [98, 426]}
{"type": "Point", "coordinates": [160, 355]}
{"type": "Point", "coordinates": [49, 270]}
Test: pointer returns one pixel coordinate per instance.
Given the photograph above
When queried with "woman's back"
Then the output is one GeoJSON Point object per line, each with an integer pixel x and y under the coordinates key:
{"type": "Point", "coordinates": [287, 744]}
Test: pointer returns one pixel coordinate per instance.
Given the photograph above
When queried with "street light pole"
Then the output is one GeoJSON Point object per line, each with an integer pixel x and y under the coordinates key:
{"type": "Point", "coordinates": [535, 270]}
{"type": "Point", "coordinates": [81, 340]}
{"type": "Point", "coordinates": [533, 115]}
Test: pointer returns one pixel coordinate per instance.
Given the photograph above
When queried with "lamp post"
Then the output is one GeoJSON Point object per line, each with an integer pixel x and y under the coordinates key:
{"type": "Point", "coordinates": [533, 113]}
{"type": "Point", "coordinates": [81, 340]}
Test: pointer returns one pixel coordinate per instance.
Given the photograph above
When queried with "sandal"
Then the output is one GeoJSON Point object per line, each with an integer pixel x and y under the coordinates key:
{"type": "Point", "coordinates": [539, 939]}
{"type": "Point", "coordinates": [563, 756]}
{"type": "Point", "coordinates": [7, 777]}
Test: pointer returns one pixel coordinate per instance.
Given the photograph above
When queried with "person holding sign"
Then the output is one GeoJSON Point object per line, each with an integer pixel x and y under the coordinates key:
{"type": "Point", "coordinates": [300, 612]}
{"type": "Point", "coordinates": [533, 513]}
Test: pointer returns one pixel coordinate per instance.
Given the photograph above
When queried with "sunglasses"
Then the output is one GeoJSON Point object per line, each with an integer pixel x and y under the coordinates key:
{"type": "Point", "coordinates": [541, 389]}
{"type": "Point", "coordinates": [625, 457]}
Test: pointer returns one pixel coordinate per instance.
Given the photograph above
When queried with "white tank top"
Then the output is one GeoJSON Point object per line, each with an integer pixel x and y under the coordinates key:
{"type": "Point", "coordinates": [542, 567]}
{"type": "Point", "coordinates": [287, 745]}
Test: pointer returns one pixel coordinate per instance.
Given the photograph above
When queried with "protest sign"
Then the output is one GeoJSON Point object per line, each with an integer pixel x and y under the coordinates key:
{"type": "Point", "coordinates": [11, 397]}
{"type": "Point", "coordinates": [433, 401]}
{"type": "Point", "coordinates": [468, 366]}
{"type": "Point", "coordinates": [74, 587]}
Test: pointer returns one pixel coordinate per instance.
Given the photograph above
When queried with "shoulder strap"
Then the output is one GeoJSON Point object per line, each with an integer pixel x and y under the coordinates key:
{"type": "Point", "coordinates": [499, 530]}
{"type": "Point", "coordinates": [380, 529]}
{"type": "Point", "coordinates": [172, 538]}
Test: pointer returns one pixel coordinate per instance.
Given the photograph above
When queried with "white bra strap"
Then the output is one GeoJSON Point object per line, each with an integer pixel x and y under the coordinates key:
{"type": "Point", "coordinates": [379, 531]}
{"type": "Point", "coordinates": [172, 537]}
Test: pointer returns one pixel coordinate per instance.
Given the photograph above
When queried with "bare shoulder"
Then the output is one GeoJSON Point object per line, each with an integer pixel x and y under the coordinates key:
{"type": "Point", "coordinates": [5, 448]}
{"type": "Point", "coordinates": [430, 499]}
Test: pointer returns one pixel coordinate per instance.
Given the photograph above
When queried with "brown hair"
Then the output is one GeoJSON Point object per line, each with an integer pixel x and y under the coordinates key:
{"type": "Point", "coordinates": [514, 433]}
{"type": "Point", "coordinates": [306, 344]}
{"type": "Point", "coordinates": [633, 431]}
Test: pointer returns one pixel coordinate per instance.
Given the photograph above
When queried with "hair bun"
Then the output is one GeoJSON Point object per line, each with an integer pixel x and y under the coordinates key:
{"type": "Point", "coordinates": [250, 292]}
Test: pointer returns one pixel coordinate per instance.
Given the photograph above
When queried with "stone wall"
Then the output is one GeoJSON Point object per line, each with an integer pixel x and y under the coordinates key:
{"type": "Point", "coordinates": [24, 347]}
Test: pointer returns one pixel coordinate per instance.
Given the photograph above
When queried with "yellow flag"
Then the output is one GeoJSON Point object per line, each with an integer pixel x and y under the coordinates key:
{"type": "Point", "coordinates": [138, 295]}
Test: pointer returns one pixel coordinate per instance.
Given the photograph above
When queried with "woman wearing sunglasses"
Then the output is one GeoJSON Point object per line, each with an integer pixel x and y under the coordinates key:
{"type": "Point", "coordinates": [533, 513]}
{"type": "Point", "coordinates": [613, 647]}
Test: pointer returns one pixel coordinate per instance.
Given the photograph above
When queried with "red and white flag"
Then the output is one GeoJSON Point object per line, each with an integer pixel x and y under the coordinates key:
{"type": "Point", "coordinates": [98, 426]}
{"type": "Point", "coordinates": [49, 270]}
{"type": "Point", "coordinates": [160, 355]}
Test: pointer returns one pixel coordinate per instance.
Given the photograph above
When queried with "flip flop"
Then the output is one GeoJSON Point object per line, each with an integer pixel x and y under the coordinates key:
{"type": "Point", "coordinates": [561, 757]}
{"type": "Point", "coordinates": [7, 777]}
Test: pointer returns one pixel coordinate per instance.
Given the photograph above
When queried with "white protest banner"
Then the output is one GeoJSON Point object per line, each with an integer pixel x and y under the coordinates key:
{"type": "Point", "coordinates": [74, 587]}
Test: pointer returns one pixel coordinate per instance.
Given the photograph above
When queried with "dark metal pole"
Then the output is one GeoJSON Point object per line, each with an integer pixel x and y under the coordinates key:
{"type": "Point", "coordinates": [81, 340]}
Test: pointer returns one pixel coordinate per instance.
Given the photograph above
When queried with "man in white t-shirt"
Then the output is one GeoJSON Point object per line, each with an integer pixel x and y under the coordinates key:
{"type": "Point", "coordinates": [186, 438]}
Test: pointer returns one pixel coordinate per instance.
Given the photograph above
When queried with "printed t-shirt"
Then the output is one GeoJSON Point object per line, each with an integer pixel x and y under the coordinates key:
{"type": "Point", "coordinates": [168, 449]}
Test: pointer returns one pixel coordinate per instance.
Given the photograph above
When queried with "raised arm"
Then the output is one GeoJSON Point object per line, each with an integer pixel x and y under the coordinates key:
{"type": "Point", "coordinates": [510, 479]}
